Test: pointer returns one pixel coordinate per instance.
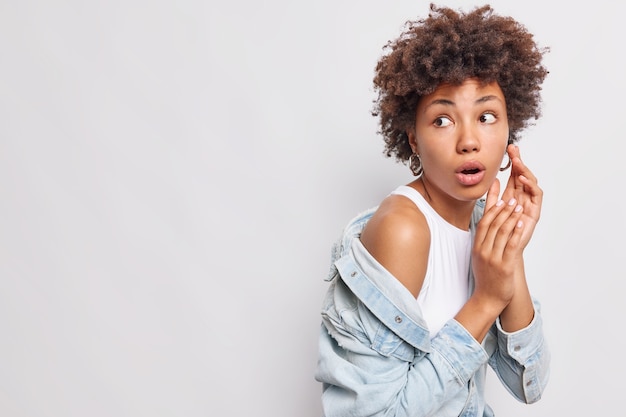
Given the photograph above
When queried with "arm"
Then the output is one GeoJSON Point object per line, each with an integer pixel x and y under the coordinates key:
{"type": "Point", "coordinates": [522, 358]}
{"type": "Point", "coordinates": [375, 356]}
{"type": "Point", "coordinates": [367, 370]}
{"type": "Point", "coordinates": [522, 185]}
{"type": "Point", "coordinates": [398, 237]}
{"type": "Point", "coordinates": [497, 255]}
{"type": "Point", "coordinates": [495, 263]}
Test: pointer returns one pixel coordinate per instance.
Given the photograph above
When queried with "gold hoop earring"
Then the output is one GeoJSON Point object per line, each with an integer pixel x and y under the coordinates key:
{"type": "Point", "coordinates": [415, 164]}
{"type": "Point", "coordinates": [507, 166]}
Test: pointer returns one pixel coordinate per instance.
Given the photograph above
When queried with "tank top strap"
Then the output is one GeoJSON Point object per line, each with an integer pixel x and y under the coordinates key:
{"type": "Point", "coordinates": [419, 200]}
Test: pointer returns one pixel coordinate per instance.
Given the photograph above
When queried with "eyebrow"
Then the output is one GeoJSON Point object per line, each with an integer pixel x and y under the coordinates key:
{"type": "Point", "coordinates": [446, 102]}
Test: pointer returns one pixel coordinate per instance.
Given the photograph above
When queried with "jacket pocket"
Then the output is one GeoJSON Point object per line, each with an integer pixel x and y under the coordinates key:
{"type": "Point", "coordinates": [389, 344]}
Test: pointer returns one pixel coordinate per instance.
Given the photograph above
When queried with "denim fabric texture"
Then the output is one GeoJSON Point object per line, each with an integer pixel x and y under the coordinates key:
{"type": "Point", "coordinates": [376, 357]}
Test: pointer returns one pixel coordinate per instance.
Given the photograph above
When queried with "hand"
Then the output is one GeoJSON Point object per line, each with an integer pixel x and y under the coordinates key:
{"type": "Point", "coordinates": [522, 185]}
{"type": "Point", "coordinates": [497, 250]}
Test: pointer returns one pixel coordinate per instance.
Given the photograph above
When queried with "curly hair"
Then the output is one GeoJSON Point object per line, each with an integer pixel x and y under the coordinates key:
{"type": "Point", "coordinates": [450, 46]}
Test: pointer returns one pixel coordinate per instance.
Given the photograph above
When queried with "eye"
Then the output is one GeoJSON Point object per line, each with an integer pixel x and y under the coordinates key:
{"type": "Point", "coordinates": [487, 118]}
{"type": "Point", "coordinates": [442, 121]}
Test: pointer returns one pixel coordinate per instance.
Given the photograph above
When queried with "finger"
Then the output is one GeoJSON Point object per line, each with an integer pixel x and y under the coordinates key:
{"type": "Point", "coordinates": [492, 194]}
{"type": "Point", "coordinates": [493, 206]}
{"type": "Point", "coordinates": [496, 226]}
{"type": "Point", "coordinates": [511, 187]}
{"type": "Point", "coordinates": [513, 151]}
{"type": "Point", "coordinates": [532, 188]}
{"type": "Point", "coordinates": [517, 187]}
{"type": "Point", "coordinates": [518, 166]}
{"type": "Point", "coordinates": [526, 186]}
{"type": "Point", "coordinates": [509, 191]}
{"type": "Point", "coordinates": [513, 244]}
{"type": "Point", "coordinates": [489, 214]}
{"type": "Point", "coordinates": [503, 234]}
{"type": "Point", "coordinates": [515, 174]}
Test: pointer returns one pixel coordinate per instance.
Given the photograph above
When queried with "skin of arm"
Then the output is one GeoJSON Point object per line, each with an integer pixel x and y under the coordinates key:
{"type": "Point", "coordinates": [494, 262]}
{"type": "Point", "coordinates": [502, 235]}
{"type": "Point", "coordinates": [399, 238]}
{"type": "Point", "coordinates": [522, 185]}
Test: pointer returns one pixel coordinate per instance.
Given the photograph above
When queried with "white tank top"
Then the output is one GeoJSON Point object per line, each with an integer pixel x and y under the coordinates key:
{"type": "Point", "coordinates": [446, 284]}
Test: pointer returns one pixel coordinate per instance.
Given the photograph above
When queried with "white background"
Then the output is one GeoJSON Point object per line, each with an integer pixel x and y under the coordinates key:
{"type": "Point", "coordinates": [173, 174]}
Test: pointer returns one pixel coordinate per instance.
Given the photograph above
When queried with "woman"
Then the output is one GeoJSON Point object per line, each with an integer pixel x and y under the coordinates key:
{"type": "Point", "coordinates": [429, 288]}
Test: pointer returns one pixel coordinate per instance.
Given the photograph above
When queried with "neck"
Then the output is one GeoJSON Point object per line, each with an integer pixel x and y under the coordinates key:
{"type": "Point", "coordinates": [456, 212]}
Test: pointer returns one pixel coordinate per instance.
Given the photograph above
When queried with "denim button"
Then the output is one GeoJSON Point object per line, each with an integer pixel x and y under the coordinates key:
{"type": "Point", "coordinates": [517, 348]}
{"type": "Point", "coordinates": [398, 319]}
{"type": "Point", "coordinates": [353, 274]}
{"type": "Point", "coordinates": [529, 383]}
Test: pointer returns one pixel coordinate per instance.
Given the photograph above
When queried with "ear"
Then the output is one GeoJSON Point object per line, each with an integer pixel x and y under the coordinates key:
{"type": "Point", "coordinates": [412, 140]}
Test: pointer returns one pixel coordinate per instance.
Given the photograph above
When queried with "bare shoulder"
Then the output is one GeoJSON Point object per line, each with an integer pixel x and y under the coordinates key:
{"type": "Point", "coordinates": [398, 237]}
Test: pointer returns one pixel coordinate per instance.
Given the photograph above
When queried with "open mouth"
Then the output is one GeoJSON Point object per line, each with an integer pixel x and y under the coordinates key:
{"type": "Point", "coordinates": [470, 171]}
{"type": "Point", "coordinates": [470, 168]}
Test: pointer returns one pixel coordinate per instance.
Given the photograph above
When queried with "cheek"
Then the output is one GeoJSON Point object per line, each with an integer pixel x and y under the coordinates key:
{"type": "Point", "coordinates": [433, 162]}
{"type": "Point", "coordinates": [499, 149]}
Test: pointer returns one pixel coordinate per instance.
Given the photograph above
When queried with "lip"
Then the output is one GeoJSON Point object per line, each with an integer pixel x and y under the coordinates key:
{"type": "Point", "coordinates": [470, 173]}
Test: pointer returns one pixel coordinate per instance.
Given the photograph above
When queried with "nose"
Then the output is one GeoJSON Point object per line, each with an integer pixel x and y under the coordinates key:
{"type": "Point", "coordinates": [468, 141]}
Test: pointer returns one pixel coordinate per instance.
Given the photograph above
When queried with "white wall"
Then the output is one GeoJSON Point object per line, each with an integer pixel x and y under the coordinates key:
{"type": "Point", "coordinates": [172, 176]}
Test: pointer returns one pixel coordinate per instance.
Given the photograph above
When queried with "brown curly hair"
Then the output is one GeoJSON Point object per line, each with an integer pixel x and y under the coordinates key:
{"type": "Point", "coordinates": [450, 46]}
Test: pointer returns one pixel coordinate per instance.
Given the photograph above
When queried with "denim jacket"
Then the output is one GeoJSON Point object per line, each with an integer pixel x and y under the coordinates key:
{"type": "Point", "coordinates": [376, 357]}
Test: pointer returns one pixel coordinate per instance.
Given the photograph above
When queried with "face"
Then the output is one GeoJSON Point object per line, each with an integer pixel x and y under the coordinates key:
{"type": "Point", "coordinates": [461, 133]}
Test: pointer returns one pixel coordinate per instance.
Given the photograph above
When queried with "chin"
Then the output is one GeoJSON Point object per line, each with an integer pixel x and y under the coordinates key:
{"type": "Point", "coordinates": [474, 193]}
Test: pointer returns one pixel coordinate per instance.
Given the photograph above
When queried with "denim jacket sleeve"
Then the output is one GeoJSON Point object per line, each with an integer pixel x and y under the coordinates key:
{"type": "Point", "coordinates": [376, 357]}
{"type": "Point", "coordinates": [522, 359]}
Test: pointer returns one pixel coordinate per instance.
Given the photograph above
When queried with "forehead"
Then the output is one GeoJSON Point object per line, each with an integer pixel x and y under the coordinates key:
{"type": "Point", "coordinates": [470, 89]}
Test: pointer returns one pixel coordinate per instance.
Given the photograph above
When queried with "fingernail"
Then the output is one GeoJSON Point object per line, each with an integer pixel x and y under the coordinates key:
{"type": "Point", "coordinates": [518, 209]}
{"type": "Point", "coordinates": [499, 203]}
{"type": "Point", "coordinates": [512, 201]}
{"type": "Point", "coordinates": [520, 224]}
